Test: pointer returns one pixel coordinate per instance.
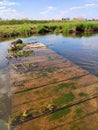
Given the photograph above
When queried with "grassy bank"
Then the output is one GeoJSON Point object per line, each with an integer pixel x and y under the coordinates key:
{"type": "Point", "coordinates": [27, 27]}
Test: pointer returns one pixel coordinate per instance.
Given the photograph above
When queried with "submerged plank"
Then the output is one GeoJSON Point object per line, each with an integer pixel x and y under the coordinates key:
{"type": "Point", "coordinates": [50, 92]}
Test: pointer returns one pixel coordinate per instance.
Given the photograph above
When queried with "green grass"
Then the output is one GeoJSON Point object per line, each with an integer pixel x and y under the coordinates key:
{"type": "Point", "coordinates": [24, 30]}
{"type": "Point", "coordinates": [11, 28]}
{"type": "Point", "coordinates": [64, 99]}
{"type": "Point", "coordinates": [57, 30]}
{"type": "Point", "coordinates": [59, 114]}
{"type": "Point", "coordinates": [42, 29]}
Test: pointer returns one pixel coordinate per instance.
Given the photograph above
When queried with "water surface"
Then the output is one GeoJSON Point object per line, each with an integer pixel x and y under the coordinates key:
{"type": "Point", "coordinates": [83, 51]}
{"type": "Point", "coordinates": [4, 86]}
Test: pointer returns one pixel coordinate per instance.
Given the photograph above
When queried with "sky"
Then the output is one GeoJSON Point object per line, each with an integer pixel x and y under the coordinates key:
{"type": "Point", "coordinates": [48, 9]}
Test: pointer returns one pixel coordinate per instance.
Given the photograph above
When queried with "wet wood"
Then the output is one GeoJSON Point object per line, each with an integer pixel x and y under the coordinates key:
{"type": "Point", "coordinates": [42, 79]}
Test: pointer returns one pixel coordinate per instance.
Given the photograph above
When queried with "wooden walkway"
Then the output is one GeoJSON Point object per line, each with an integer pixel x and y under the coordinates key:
{"type": "Point", "coordinates": [53, 92]}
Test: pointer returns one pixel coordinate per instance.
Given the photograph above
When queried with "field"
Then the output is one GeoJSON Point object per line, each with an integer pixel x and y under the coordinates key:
{"type": "Point", "coordinates": [11, 28]}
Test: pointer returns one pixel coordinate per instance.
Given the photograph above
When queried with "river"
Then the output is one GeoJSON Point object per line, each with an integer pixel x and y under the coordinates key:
{"type": "Point", "coordinates": [4, 86]}
{"type": "Point", "coordinates": [83, 51]}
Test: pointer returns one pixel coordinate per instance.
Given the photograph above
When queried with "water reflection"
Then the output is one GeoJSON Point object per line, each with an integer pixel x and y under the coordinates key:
{"type": "Point", "coordinates": [81, 50]}
{"type": "Point", "coordinates": [4, 87]}
{"type": "Point", "coordinates": [4, 99]}
{"type": "Point", "coordinates": [79, 35]}
{"type": "Point", "coordinates": [3, 53]}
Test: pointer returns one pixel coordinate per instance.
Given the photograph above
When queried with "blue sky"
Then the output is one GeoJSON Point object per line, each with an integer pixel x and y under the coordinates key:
{"type": "Point", "coordinates": [48, 9]}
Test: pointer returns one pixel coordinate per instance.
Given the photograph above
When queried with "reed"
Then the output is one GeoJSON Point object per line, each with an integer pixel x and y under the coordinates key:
{"type": "Point", "coordinates": [10, 28]}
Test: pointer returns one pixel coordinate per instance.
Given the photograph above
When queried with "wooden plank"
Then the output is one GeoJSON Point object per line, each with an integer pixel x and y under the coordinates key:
{"type": "Point", "coordinates": [46, 82]}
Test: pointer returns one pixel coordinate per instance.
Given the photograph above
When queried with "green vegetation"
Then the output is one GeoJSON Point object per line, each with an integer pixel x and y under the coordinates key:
{"type": "Point", "coordinates": [21, 117]}
{"type": "Point", "coordinates": [18, 47]}
{"type": "Point", "coordinates": [16, 118]}
{"type": "Point", "coordinates": [65, 85]}
{"type": "Point", "coordinates": [24, 30]}
{"type": "Point", "coordinates": [16, 50]}
{"type": "Point", "coordinates": [82, 94]}
{"type": "Point", "coordinates": [10, 28]}
{"type": "Point", "coordinates": [23, 53]}
{"type": "Point", "coordinates": [57, 30]}
{"type": "Point", "coordinates": [42, 29]}
{"type": "Point", "coordinates": [50, 58]}
{"type": "Point", "coordinates": [79, 112]}
{"type": "Point", "coordinates": [59, 114]}
{"type": "Point", "coordinates": [52, 69]}
{"type": "Point", "coordinates": [64, 99]}
{"type": "Point", "coordinates": [49, 108]}
{"type": "Point", "coordinates": [29, 64]}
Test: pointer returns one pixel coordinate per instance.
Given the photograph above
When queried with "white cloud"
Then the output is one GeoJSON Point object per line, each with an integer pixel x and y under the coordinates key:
{"type": "Point", "coordinates": [83, 7]}
{"type": "Point", "coordinates": [3, 7]}
{"type": "Point", "coordinates": [44, 12]}
{"type": "Point", "coordinates": [49, 9]}
{"type": "Point", "coordinates": [7, 3]}
{"type": "Point", "coordinates": [76, 8]}
{"type": "Point", "coordinates": [8, 11]}
{"type": "Point", "coordinates": [91, 5]}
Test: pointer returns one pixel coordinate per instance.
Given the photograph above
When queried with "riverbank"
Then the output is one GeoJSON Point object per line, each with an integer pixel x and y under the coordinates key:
{"type": "Point", "coordinates": [14, 28]}
{"type": "Point", "coordinates": [49, 92]}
